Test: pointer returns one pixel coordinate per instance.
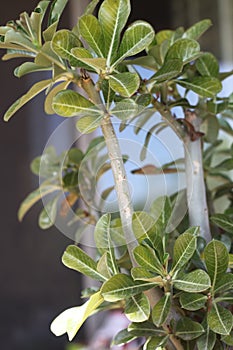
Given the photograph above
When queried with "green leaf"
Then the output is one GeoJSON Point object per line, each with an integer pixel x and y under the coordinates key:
{"type": "Point", "coordinates": [48, 215]}
{"type": "Point", "coordinates": [161, 310]}
{"type": "Point", "coordinates": [32, 92]}
{"type": "Point", "coordinates": [70, 320]}
{"type": "Point", "coordinates": [34, 197]}
{"type": "Point", "coordinates": [69, 103]}
{"type": "Point", "coordinates": [113, 16]}
{"type": "Point", "coordinates": [126, 109]}
{"type": "Point", "coordinates": [224, 221]}
{"type": "Point", "coordinates": [228, 339]}
{"type": "Point", "coordinates": [142, 222]}
{"type": "Point", "coordinates": [220, 320]}
{"type": "Point", "coordinates": [142, 274]}
{"type": "Point", "coordinates": [155, 342]}
{"type": "Point", "coordinates": [184, 49]}
{"type": "Point", "coordinates": [192, 301]}
{"type": "Point", "coordinates": [210, 127]}
{"type": "Point", "coordinates": [187, 329]}
{"type": "Point", "coordinates": [145, 329]}
{"type": "Point", "coordinates": [136, 38]}
{"type": "Point", "coordinates": [56, 10]}
{"type": "Point", "coordinates": [147, 258]}
{"type": "Point", "coordinates": [89, 123]}
{"type": "Point", "coordinates": [125, 84]}
{"type": "Point", "coordinates": [207, 65]}
{"type": "Point", "coordinates": [91, 31]}
{"type": "Point", "coordinates": [184, 248]}
{"type": "Point", "coordinates": [122, 286]}
{"type": "Point", "coordinates": [105, 239]}
{"type": "Point", "coordinates": [90, 8]}
{"type": "Point", "coordinates": [207, 340]}
{"type": "Point", "coordinates": [63, 41]}
{"type": "Point", "coordinates": [76, 259]}
{"type": "Point", "coordinates": [193, 282]}
{"type": "Point", "coordinates": [196, 30]}
{"type": "Point", "coordinates": [26, 68]}
{"type": "Point", "coordinates": [137, 308]}
{"type": "Point", "coordinates": [52, 93]}
{"type": "Point", "coordinates": [203, 86]}
{"type": "Point", "coordinates": [216, 260]}
{"type": "Point", "coordinates": [123, 337]}
{"type": "Point", "coordinates": [224, 283]}
{"type": "Point", "coordinates": [104, 265]}
{"type": "Point", "coordinates": [85, 59]}
{"type": "Point", "coordinates": [170, 69]}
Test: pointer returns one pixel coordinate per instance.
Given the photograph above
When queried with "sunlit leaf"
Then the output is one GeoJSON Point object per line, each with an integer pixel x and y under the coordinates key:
{"type": "Point", "coordinates": [56, 10]}
{"type": "Point", "coordinates": [147, 258]}
{"type": "Point", "coordinates": [123, 337]}
{"type": "Point", "coordinates": [161, 310]}
{"type": "Point", "coordinates": [155, 342]}
{"type": "Point", "coordinates": [196, 30]}
{"type": "Point", "coordinates": [89, 123]}
{"type": "Point", "coordinates": [76, 259]}
{"type": "Point", "coordinates": [193, 282]}
{"type": "Point", "coordinates": [207, 65]}
{"type": "Point", "coordinates": [48, 214]}
{"type": "Point", "coordinates": [63, 41]}
{"type": "Point", "coordinates": [203, 86]}
{"type": "Point", "coordinates": [137, 308]}
{"type": "Point", "coordinates": [70, 320]}
{"type": "Point", "coordinates": [125, 84]}
{"type": "Point", "coordinates": [142, 222]}
{"type": "Point", "coordinates": [126, 109]}
{"type": "Point", "coordinates": [216, 260]}
{"type": "Point", "coordinates": [69, 103]}
{"type": "Point", "coordinates": [170, 69]}
{"type": "Point", "coordinates": [122, 286]}
{"type": "Point", "coordinates": [91, 31]}
{"type": "Point", "coordinates": [184, 49]}
{"type": "Point", "coordinates": [145, 329]}
{"type": "Point", "coordinates": [184, 248]}
{"type": "Point", "coordinates": [113, 16]}
{"type": "Point", "coordinates": [136, 38]}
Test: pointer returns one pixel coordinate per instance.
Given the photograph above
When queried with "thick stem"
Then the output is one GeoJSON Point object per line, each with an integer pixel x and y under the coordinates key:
{"type": "Point", "coordinates": [121, 183]}
{"type": "Point", "coordinates": [195, 185]}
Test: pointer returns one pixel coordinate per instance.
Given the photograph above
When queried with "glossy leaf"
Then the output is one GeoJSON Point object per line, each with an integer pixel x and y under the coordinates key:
{"type": "Point", "coordinates": [207, 65]}
{"type": "Point", "coordinates": [32, 92]}
{"type": "Point", "coordinates": [196, 30]}
{"type": "Point", "coordinates": [91, 32]}
{"type": "Point", "coordinates": [161, 310]}
{"type": "Point", "coordinates": [192, 301]}
{"type": "Point", "coordinates": [69, 103]}
{"type": "Point", "coordinates": [113, 16]}
{"type": "Point", "coordinates": [187, 329]}
{"type": "Point", "coordinates": [203, 86]}
{"type": "Point", "coordinates": [216, 260]}
{"type": "Point", "coordinates": [34, 197]}
{"type": "Point", "coordinates": [52, 93]}
{"type": "Point", "coordinates": [184, 248]}
{"type": "Point", "coordinates": [26, 68]}
{"type": "Point", "coordinates": [184, 49]}
{"type": "Point", "coordinates": [147, 258]}
{"type": "Point", "coordinates": [137, 308]}
{"type": "Point", "coordinates": [125, 84]}
{"type": "Point", "coordinates": [220, 320]}
{"type": "Point", "coordinates": [136, 38]}
{"type": "Point", "coordinates": [97, 65]}
{"type": "Point", "coordinates": [122, 286]}
{"type": "Point", "coordinates": [70, 320]}
{"type": "Point", "coordinates": [224, 221]}
{"type": "Point", "coordinates": [76, 259]}
{"type": "Point", "coordinates": [193, 282]}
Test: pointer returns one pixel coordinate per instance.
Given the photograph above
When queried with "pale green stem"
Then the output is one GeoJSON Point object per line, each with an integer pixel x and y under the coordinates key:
{"type": "Point", "coordinates": [195, 185]}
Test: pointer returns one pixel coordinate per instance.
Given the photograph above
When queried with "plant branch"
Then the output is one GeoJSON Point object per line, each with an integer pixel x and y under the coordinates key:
{"type": "Point", "coordinates": [195, 185]}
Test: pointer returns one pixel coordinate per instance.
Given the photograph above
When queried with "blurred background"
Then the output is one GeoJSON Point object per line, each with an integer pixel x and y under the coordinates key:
{"type": "Point", "coordinates": [35, 286]}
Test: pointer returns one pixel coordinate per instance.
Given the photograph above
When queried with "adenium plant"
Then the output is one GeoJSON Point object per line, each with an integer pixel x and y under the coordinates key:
{"type": "Point", "coordinates": [174, 285]}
